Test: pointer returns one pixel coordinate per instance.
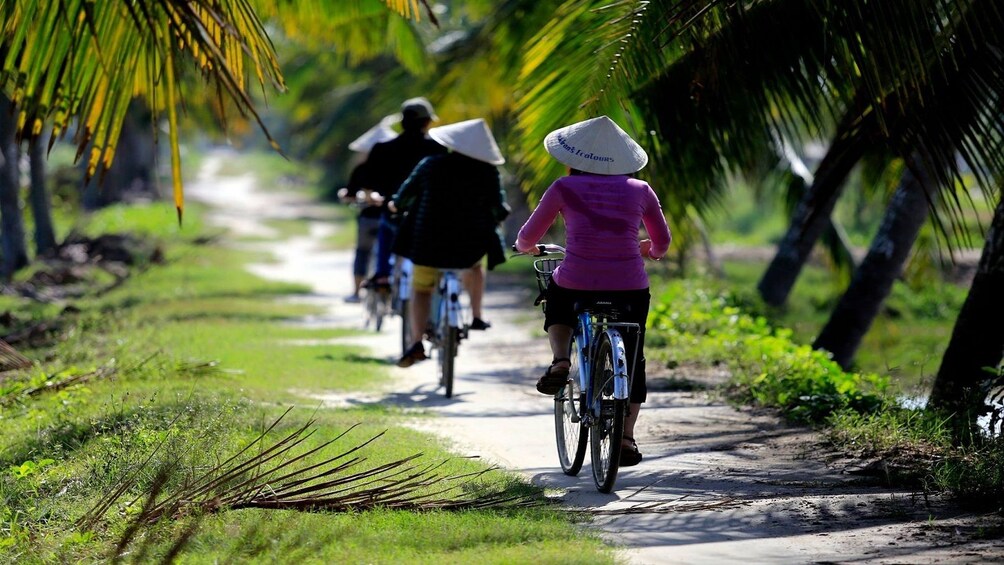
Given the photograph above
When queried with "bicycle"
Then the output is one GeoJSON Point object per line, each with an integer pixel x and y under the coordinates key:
{"type": "Point", "coordinates": [377, 301]}
{"type": "Point", "coordinates": [378, 306]}
{"type": "Point", "coordinates": [449, 325]}
{"type": "Point", "coordinates": [401, 285]}
{"type": "Point", "coordinates": [594, 403]}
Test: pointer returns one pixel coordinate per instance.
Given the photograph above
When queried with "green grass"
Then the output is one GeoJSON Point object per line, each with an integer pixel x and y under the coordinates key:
{"type": "Point", "coordinates": [906, 340]}
{"type": "Point", "coordinates": [344, 237]}
{"type": "Point", "coordinates": [198, 356]}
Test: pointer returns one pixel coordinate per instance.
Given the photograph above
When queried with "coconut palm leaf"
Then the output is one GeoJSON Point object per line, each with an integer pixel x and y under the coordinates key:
{"type": "Point", "coordinates": [77, 61]}
{"type": "Point", "coordinates": [730, 77]}
{"type": "Point", "coordinates": [284, 473]}
{"type": "Point", "coordinates": [928, 71]}
{"type": "Point", "coordinates": [566, 76]}
{"type": "Point", "coordinates": [360, 30]}
{"type": "Point", "coordinates": [84, 61]}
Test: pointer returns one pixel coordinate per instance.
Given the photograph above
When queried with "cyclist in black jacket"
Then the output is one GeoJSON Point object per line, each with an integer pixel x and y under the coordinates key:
{"type": "Point", "coordinates": [389, 164]}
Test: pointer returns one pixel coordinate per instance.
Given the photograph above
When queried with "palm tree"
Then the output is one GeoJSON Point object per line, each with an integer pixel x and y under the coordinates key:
{"type": "Point", "coordinates": [873, 279]}
{"type": "Point", "coordinates": [811, 217]}
{"type": "Point", "coordinates": [38, 195]}
{"type": "Point", "coordinates": [80, 61]}
{"type": "Point", "coordinates": [12, 240]}
{"type": "Point", "coordinates": [895, 78]}
{"type": "Point", "coordinates": [85, 61]}
{"type": "Point", "coordinates": [977, 343]}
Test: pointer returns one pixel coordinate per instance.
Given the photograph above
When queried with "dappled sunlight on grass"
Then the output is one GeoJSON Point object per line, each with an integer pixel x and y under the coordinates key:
{"type": "Point", "coordinates": [188, 363]}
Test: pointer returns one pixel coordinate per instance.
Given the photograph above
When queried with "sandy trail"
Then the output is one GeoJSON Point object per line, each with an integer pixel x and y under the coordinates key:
{"type": "Point", "coordinates": [718, 484]}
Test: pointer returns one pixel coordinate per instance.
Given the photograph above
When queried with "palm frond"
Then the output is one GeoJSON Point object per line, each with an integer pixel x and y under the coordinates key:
{"type": "Point", "coordinates": [360, 30]}
{"type": "Point", "coordinates": [84, 61]}
{"type": "Point", "coordinates": [285, 474]}
{"type": "Point", "coordinates": [410, 8]}
{"type": "Point", "coordinates": [567, 74]}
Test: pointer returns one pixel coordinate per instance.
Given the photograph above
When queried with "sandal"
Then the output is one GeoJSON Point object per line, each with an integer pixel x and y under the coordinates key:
{"type": "Point", "coordinates": [414, 354]}
{"type": "Point", "coordinates": [630, 457]}
{"type": "Point", "coordinates": [554, 378]}
{"type": "Point", "coordinates": [479, 324]}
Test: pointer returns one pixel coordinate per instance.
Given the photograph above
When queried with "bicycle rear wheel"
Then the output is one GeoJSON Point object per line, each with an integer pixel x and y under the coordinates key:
{"type": "Point", "coordinates": [447, 353]}
{"type": "Point", "coordinates": [569, 432]}
{"type": "Point", "coordinates": [607, 431]}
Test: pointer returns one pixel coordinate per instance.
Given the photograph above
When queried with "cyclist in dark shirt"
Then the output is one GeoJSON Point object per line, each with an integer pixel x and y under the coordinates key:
{"type": "Point", "coordinates": [454, 203]}
{"type": "Point", "coordinates": [369, 203]}
{"type": "Point", "coordinates": [389, 164]}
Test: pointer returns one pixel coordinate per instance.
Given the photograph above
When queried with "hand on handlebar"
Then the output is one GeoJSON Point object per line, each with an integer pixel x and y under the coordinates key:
{"type": "Point", "coordinates": [540, 249]}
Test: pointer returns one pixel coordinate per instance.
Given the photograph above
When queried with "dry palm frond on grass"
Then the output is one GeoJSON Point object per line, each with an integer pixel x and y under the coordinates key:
{"type": "Point", "coordinates": [52, 383]}
{"type": "Point", "coordinates": [11, 359]}
{"type": "Point", "coordinates": [284, 475]}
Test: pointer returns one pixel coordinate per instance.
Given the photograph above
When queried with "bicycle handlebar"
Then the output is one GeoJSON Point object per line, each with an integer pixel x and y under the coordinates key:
{"type": "Point", "coordinates": [542, 250]}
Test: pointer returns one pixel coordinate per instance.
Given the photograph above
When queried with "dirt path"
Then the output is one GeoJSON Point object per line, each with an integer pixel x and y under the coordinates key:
{"type": "Point", "coordinates": [718, 484]}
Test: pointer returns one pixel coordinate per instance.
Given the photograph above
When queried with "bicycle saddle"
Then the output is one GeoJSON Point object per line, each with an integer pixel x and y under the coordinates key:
{"type": "Point", "coordinates": [602, 308]}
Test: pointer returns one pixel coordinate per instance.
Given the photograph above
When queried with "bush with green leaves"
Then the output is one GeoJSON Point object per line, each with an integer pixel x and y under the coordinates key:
{"type": "Point", "coordinates": [697, 325]}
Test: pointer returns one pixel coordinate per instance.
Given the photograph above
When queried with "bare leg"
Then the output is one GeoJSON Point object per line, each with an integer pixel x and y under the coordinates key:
{"type": "Point", "coordinates": [474, 280]}
{"type": "Point", "coordinates": [421, 303]}
{"type": "Point", "coordinates": [359, 284]}
{"type": "Point", "coordinates": [560, 338]}
{"type": "Point", "coordinates": [630, 421]}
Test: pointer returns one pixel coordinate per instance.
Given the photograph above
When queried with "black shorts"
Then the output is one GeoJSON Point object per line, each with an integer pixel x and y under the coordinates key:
{"type": "Point", "coordinates": [633, 304]}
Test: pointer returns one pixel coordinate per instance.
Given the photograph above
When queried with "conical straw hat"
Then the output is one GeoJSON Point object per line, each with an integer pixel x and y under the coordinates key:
{"type": "Point", "coordinates": [376, 134]}
{"type": "Point", "coordinates": [471, 138]}
{"type": "Point", "coordinates": [596, 146]}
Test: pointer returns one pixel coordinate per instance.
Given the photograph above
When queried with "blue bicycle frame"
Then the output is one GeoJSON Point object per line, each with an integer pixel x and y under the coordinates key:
{"type": "Point", "coordinates": [587, 336]}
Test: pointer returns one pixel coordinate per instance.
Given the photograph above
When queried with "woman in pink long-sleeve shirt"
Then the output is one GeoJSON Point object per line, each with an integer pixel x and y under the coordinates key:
{"type": "Point", "coordinates": [602, 207]}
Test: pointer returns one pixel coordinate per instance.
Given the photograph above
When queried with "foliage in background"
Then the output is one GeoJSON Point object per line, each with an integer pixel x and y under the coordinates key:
{"type": "Point", "coordinates": [695, 326]}
{"type": "Point", "coordinates": [767, 368]}
{"type": "Point", "coordinates": [78, 61]}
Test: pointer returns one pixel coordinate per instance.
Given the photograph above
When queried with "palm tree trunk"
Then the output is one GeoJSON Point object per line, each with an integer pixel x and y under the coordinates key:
{"type": "Point", "coordinates": [873, 279]}
{"type": "Point", "coordinates": [811, 218]}
{"type": "Point", "coordinates": [45, 237]}
{"type": "Point", "coordinates": [131, 175]}
{"type": "Point", "coordinates": [977, 339]}
{"type": "Point", "coordinates": [12, 240]}
{"type": "Point", "coordinates": [714, 263]}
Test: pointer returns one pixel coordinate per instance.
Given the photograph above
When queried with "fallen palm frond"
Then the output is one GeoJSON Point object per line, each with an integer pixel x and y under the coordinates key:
{"type": "Point", "coordinates": [11, 359]}
{"type": "Point", "coordinates": [283, 475]}
{"type": "Point", "coordinates": [11, 393]}
{"type": "Point", "coordinates": [52, 384]}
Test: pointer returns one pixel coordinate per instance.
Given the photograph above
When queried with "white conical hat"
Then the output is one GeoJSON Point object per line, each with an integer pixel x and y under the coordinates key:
{"type": "Point", "coordinates": [471, 138]}
{"type": "Point", "coordinates": [376, 134]}
{"type": "Point", "coordinates": [596, 146]}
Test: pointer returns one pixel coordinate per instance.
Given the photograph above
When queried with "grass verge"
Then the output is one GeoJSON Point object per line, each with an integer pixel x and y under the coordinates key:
{"type": "Point", "coordinates": [697, 322]}
{"type": "Point", "coordinates": [158, 381]}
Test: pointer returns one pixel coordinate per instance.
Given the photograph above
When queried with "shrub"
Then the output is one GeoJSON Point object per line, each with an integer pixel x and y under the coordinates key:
{"type": "Point", "coordinates": [768, 368]}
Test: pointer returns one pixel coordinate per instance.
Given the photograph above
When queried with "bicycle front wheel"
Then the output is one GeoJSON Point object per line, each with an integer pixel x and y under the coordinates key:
{"type": "Point", "coordinates": [380, 310]}
{"type": "Point", "coordinates": [607, 430]}
{"type": "Point", "coordinates": [447, 353]}
{"type": "Point", "coordinates": [371, 308]}
{"type": "Point", "coordinates": [569, 432]}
